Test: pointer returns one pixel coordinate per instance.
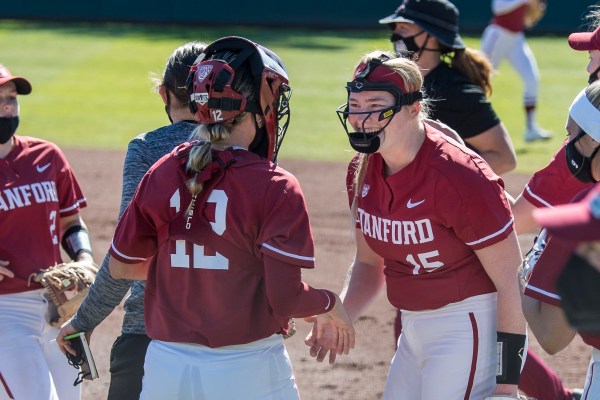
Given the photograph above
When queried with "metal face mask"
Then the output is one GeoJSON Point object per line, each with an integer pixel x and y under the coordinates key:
{"type": "Point", "coordinates": [374, 77]}
{"type": "Point", "coordinates": [362, 141]}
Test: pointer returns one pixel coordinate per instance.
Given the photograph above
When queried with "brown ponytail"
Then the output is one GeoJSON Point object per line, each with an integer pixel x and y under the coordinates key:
{"type": "Point", "coordinates": [362, 162]}
{"type": "Point", "coordinates": [201, 154]}
{"type": "Point", "coordinates": [475, 66]}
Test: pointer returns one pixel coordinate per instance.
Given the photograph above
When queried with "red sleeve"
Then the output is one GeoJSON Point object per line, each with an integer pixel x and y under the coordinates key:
{"type": "Point", "coordinates": [482, 216]}
{"type": "Point", "coordinates": [70, 195]}
{"type": "Point", "coordinates": [135, 238]}
{"type": "Point", "coordinates": [154, 204]}
{"type": "Point", "coordinates": [289, 296]}
{"type": "Point", "coordinates": [542, 283]}
{"type": "Point", "coordinates": [286, 233]}
{"type": "Point", "coordinates": [554, 184]}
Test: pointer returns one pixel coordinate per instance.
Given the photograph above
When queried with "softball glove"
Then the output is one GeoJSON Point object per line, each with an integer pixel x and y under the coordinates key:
{"type": "Point", "coordinates": [66, 286]}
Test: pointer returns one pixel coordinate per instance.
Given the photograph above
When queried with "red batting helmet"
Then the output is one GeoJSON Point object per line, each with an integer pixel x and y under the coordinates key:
{"type": "Point", "coordinates": [216, 79]}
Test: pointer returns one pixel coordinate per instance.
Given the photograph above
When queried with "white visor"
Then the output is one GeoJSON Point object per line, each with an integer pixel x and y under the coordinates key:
{"type": "Point", "coordinates": [586, 115]}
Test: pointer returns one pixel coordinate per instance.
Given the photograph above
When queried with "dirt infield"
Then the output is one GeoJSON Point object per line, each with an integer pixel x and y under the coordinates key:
{"type": "Point", "coordinates": [359, 376]}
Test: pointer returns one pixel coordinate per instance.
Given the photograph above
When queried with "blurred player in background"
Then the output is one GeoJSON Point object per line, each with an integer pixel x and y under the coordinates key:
{"type": "Point", "coordinates": [504, 38]}
{"type": "Point", "coordinates": [40, 202]}
{"type": "Point", "coordinates": [129, 349]}
{"type": "Point", "coordinates": [221, 234]}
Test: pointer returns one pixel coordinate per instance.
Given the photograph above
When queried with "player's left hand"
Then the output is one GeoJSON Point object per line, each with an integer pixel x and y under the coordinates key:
{"type": "Point", "coordinates": [323, 344]}
{"type": "Point", "coordinates": [332, 333]}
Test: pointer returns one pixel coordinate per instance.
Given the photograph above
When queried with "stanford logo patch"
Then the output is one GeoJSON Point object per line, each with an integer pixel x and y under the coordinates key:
{"type": "Point", "coordinates": [203, 71]}
{"type": "Point", "coordinates": [365, 189]}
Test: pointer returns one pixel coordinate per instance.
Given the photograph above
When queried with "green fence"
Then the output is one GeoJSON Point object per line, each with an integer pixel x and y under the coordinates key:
{"type": "Point", "coordinates": [562, 17]}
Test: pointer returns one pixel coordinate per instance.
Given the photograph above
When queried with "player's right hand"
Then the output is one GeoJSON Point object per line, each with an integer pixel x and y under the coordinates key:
{"type": "Point", "coordinates": [342, 323]}
{"type": "Point", "coordinates": [320, 348]}
{"type": "Point", "coordinates": [66, 330]}
{"type": "Point", "coordinates": [64, 345]}
{"type": "Point", "coordinates": [5, 272]}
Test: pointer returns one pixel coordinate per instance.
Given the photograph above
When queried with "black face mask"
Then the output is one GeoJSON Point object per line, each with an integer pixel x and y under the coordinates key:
{"type": "Point", "coordinates": [579, 289]}
{"type": "Point", "coordinates": [365, 143]}
{"type": "Point", "coordinates": [579, 165]}
{"type": "Point", "coordinates": [593, 76]}
{"type": "Point", "coordinates": [405, 46]}
{"type": "Point", "coordinates": [362, 141]}
{"type": "Point", "coordinates": [8, 127]}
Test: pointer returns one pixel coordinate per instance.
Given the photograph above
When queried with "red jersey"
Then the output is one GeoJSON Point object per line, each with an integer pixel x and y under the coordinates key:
{"type": "Point", "coordinates": [37, 188]}
{"type": "Point", "coordinates": [510, 14]}
{"type": "Point", "coordinates": [554, 184]}
{"type": "Point", "coordinates": [542, 282]}
{"type": "Point", "coordinates": [427, 219]}
{"type": "Point", "coordinates": [206, 281]}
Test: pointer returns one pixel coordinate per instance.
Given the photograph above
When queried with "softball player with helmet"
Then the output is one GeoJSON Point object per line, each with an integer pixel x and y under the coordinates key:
{"type": "Point", "coordinates": [428, 32]}
{"type": "Point", "coordinates": [221, 233]}
{"type": "Point", "coordinates": [129, 349]}
{"type": "Point", "coordinates": [504, 38]}
{"type": "Point", "coordinates": [40, 200]}
{"type": "Point", "coordinates": [434, 226]}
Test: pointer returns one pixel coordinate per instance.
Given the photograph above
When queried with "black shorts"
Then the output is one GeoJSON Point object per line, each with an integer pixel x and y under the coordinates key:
{"type": "Point", "coordinates": [127, 366]}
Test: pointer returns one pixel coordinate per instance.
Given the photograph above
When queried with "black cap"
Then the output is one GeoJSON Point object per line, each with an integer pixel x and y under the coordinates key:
{"type": "Point", "coordinates": [438, 17]}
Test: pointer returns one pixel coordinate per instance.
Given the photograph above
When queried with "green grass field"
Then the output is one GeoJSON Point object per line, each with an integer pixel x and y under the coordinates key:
{"type": "Point", "coordinates": [92, 87]}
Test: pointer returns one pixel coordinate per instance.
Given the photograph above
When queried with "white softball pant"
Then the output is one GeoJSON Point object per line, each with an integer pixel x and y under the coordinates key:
{"type": "Point", "coordinates": [260, 370]}
{"type": "Point", "coordinates": [499, 44]}
{"type": "Point", "coordinates": [591, 389]}
{"type": "Point", "coordinates": [447, 353]}
{"type": "Point", "coordinates": [32, 367]}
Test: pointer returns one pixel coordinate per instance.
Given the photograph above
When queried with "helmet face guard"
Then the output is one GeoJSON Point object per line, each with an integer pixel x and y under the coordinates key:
{"type": "Point", "coordinates": [383, 79]}
{"type": "Point", "coordinates": [213, 100]}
